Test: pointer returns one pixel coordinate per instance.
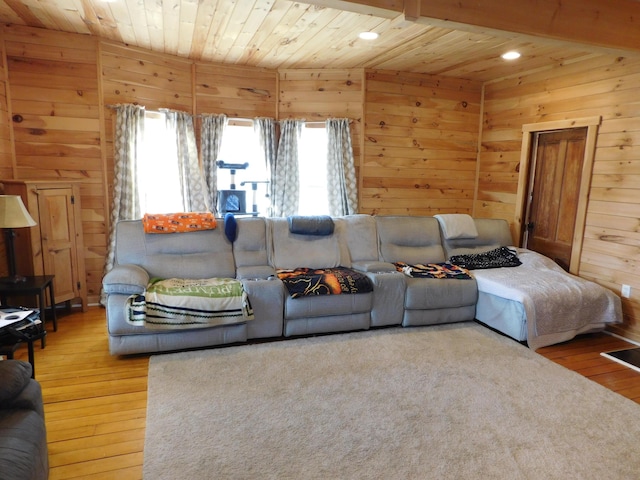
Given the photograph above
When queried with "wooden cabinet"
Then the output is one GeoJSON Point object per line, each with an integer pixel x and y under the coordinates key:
{"type": "Point", "coordinates": [54, 246]}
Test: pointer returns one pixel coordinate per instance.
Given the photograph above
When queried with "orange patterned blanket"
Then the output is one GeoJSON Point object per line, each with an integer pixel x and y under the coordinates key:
{"type": "Point", "coordinates": [178, 222]}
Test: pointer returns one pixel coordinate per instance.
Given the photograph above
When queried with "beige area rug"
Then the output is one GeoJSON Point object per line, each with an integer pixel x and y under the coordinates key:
{"type": "Point", "coordinates": [447, 402]}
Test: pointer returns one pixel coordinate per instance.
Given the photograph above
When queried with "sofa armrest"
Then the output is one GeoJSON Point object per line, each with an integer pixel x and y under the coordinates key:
{"type": "Point", "coordinates": [256, 271]}
{"type": "Point", "coordinates": [15, 375]}
{"type": "Point", "coordinates": [373, 266]}
{"type": "Point", "coordinates": [126, 280]}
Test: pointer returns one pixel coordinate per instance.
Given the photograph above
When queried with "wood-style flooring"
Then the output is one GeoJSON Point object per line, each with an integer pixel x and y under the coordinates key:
{"type": "Point", "coordinates": [95, 404]}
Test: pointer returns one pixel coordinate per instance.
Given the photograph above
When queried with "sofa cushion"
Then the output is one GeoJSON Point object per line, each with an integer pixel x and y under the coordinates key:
{"type": "Point", "coordinates": [434, 293]}
{"type": "Point", "coordinates": [358, 237]}
{"type": "Point", "coordinates": [492, 233]}
{"type": "Point", "coordinates": [327, 305]}
{"type": "Point", "coordinates": [290, 250]}
{"type": "Point", "coordinates": [409, 239]}
{"type": "Point", "coordinates": [202, 254]}
{"type": "Point", "coordinates": [250, 246]}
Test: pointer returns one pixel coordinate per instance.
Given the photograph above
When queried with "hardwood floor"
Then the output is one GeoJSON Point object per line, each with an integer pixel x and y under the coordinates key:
{"type": "Point", "coordinates": [95, 404]}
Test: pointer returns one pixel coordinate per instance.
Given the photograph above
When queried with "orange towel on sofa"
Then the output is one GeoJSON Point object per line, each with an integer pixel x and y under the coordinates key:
{"type": "Point", "coordinates": [178, 222]}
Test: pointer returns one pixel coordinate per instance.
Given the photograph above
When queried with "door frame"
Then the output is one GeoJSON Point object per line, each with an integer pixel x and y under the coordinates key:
{"type": "Point", "coordinates": [528, 140]}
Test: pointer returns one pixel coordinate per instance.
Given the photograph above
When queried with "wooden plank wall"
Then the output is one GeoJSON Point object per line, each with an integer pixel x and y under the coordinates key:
{"type": "Point", "coordinates": [420, 148]}
{"type": "Point", "coordinates": [239, 92]}
{"type": "Point", "coordinates": [600, 85]}
{"type": "Point", "coordinates": [6, 156]}
{"type": "Point", "coordinates": [315, 95]}
{"type": "Point", "coordinates": [55, 120]}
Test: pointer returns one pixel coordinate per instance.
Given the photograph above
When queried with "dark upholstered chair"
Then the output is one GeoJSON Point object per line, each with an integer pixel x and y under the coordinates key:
{"type": "Point", "coordinates": [23, 438]}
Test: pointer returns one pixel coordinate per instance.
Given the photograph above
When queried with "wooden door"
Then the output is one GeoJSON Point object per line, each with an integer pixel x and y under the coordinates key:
{"type": "Point", "coordinates": [554, 193]}
{"type": "Point", "coordinates": [58, 239]}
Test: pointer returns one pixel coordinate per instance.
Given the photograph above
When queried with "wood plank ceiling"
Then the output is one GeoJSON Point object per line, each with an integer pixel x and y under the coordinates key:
{"type": "Point", "coordinates": [283, 34]}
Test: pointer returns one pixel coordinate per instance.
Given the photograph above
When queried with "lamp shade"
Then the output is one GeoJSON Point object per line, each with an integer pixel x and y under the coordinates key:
{"type": "Point", "coordinates": [13, 213]}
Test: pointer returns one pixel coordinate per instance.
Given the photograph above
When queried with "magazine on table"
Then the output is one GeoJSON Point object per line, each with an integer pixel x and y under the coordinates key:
{"type": "Point", "coordinates": [11, 316]}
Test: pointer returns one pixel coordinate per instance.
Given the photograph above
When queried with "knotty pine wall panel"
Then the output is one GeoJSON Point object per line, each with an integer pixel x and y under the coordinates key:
{"type": "Point", "coordinates": [6, 157]}
{"type": "Point", "coordinates": [605, 86]}
{"type": "Point", "coordinates": [315, 95]}
{"type": "Point", "coordinates": [6, 162]}
{"type": "Point", "coordinates": [55, 120]}
{"type": "Point", "coordinates": [420, 144]}
{"type": "Point", "coordinates": [240, 92]}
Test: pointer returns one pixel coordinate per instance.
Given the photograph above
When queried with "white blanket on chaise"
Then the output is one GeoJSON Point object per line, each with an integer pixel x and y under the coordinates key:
{"type": "Point", "coordinates": [558, 305]}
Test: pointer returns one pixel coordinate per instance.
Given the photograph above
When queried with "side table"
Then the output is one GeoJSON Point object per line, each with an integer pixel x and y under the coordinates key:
{"type": "Point", "coordinates": [28, 330]}
{"type": "Point", "coordinates": [36, 285]}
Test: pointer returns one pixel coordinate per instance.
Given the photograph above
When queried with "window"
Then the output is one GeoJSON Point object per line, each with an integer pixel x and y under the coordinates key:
{"type": "Point", "coordinates": [312, 164]}
{"type": "Point", "coordinates": [242, 189]}
{"type": "Point", "coordinates": [158, 178]}
{"type": "Point", "coordinates": [240, 145]}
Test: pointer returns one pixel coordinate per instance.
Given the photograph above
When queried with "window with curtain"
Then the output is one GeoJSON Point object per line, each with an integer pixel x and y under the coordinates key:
{"type": "Point", "coordinates": [158, 175]}
{"type": "Point", "coordinates": [312, 166]}
{"type": "Point", "coordinates": [240, 145]}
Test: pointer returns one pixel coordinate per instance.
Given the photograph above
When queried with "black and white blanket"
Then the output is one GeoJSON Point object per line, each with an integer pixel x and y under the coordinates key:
{"type": "Point", "coordinates": [190, 303]}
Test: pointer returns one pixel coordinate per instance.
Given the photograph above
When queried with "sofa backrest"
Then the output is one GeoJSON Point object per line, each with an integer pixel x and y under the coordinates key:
{"type": "Point", "coordinates": [200, 254]}
{"type": "Point", "coordinates": [292, 250]}
{"type": "Point", "coordinates": [408, 239]}
{"type": "Point", "coordinates": [358, 237]}
{"type": "Point", "coordinates": [250, 246]}
{"type": "Point", "coordinates": [492, 233]}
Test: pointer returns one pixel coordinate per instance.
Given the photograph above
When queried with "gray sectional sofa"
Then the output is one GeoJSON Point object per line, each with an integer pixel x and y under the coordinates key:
{"type": "Point", "coordinates": [260, 246]}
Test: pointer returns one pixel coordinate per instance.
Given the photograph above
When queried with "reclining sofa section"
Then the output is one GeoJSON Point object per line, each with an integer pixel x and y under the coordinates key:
{"type": "Point", "coordinates": [263, 246]}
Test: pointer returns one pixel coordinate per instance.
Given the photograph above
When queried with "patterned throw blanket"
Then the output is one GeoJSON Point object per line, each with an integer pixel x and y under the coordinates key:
{"type": "Point", "coordinates": [433, 270]}
{"type": "Point", "coordinates": [324, 281]}
{"type": "Point", "coordinates": [189, 303]}
{"type": "Point", "coordinates": [497, 258]}
{"type": "Point", "coordinates": [178, 222]}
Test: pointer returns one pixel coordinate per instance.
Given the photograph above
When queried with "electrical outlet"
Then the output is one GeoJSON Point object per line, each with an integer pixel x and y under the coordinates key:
{"type": "Point", "coordinates": [626, 291]}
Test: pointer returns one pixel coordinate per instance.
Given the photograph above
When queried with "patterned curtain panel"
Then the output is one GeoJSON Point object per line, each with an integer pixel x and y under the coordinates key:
{"type": "Point", "coordinates": [210, 142]}
{"type": "Point", "coordinates": [285, 183]}
{"type": "Point", "coordinates": [341, 172]}
{"type": "Point", "coordinates": [125, 205]}
{"type": "Point", "coordinates": [266, 129]}
{"type": "Point", "coordinates": [192, 185]}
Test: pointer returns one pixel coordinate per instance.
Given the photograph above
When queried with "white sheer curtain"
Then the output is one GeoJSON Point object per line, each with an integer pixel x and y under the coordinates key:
{"type": "Point", "coordinates": [285, 183]}
{"type": "Point", "coordinates": [125, 205]}
{"type": "Point", "coordinates": [342, 182]}
{"type": "Point", "coordinates": [266, 129]}
{"type": "Point", "coordinates": [192, 186]}
{"type": "Point", "coordinates": [210, 141]}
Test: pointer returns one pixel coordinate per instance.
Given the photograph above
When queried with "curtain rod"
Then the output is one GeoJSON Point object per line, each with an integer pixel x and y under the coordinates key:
{"type": "Point", "coordinates": [316, 122]}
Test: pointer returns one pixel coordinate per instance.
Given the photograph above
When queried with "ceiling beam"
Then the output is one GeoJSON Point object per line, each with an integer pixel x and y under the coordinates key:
{"type": "Point", "coordinates": [612, 24]}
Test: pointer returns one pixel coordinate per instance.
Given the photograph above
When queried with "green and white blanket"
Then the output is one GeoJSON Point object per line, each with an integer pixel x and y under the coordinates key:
{"type": "Point", "coordinates": [189, 303]}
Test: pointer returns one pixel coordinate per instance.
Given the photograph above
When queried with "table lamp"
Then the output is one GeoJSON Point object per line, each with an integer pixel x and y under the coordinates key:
{"type": "Point", "coordinates": [13, 214]}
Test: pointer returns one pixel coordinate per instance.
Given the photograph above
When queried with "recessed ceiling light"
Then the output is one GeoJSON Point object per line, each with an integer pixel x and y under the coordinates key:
{"type": "Point", "coordinates": [513, 55]}
{"type": "Point", "coordinates": [368, 35]}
